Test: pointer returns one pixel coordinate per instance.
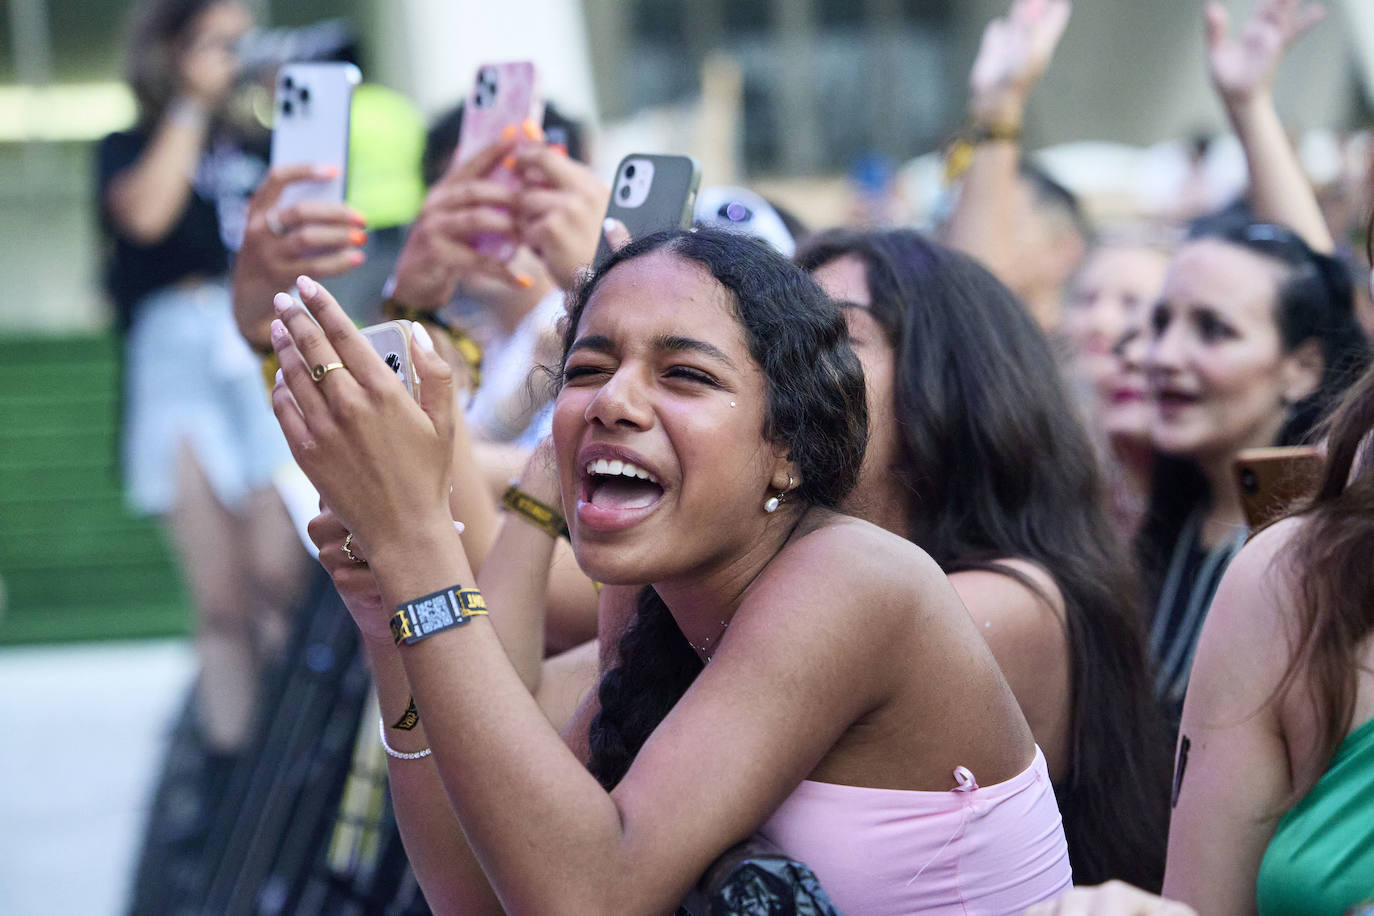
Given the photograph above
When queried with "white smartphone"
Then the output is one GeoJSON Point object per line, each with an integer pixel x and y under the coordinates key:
{"type": "Point", "coordinates": [391, 340]}
{"type": "Point", "coordinates": [310, 125]}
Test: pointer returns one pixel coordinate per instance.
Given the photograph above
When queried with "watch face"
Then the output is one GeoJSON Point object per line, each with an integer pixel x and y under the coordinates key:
{"type": "Point", "coordinates": [431, 613]}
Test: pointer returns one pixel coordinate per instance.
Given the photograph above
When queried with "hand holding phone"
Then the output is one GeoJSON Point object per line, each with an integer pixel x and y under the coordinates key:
{"type": "Point", "coordinates": [504, 104]}
{"type": "Point", "coordinates": [652, 193]}
{"type": "Point", "coordinates": [311, 124]}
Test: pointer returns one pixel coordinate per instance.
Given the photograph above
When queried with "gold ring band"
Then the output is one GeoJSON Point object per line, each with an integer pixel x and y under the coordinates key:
{"type": "Point", "coordinates": [323, 369]}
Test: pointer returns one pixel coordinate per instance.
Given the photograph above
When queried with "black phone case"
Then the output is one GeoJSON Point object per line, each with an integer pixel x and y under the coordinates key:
{"type": "Point", "coordinates": [669, 204]}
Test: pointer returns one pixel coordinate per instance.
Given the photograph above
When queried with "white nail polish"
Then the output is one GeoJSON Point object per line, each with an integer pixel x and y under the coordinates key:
{"type": "Point", "coordinates": [422, 336]}
{"type": "Point", "coordinates": [608, 224]}
{"type": "Point", "coordinates": [279, 379]}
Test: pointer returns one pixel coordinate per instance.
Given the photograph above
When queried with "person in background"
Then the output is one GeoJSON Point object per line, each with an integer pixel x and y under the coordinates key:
{"type": "Point", "coordinates": [1276, 750]}
{"type": "Point", "coordinates": [199, 446]}
{"type": "Point", "coordinates": [1015, 219]}
{"type": "Point", "coordinates": [977, 455]}
{"type": "Point", "coordinates": [1253, 338]}
{"type": "Point", "coordinates": [1104, 321]}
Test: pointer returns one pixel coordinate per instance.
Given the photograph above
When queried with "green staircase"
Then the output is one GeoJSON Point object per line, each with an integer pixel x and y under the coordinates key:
{"type": "Point", "coordinates": [75, 564]}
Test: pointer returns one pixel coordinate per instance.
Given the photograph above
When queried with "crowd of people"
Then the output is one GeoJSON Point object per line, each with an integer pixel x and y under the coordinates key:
{"type": "Point", "coordinates": [859, 569]}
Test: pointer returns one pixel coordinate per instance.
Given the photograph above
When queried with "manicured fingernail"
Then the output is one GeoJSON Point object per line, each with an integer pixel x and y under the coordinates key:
{"type": "Point", "coordinates": [508, 163]}
{"type": "Point", "coordinates": [609, 225]}
{"type": "Point", "coordinates": [356, 257]}
{"type": "Point", "coordinates": [278, 330]}
{"type": "Point", "coordinates": [329, 171]}
{"type": "Point", "coordinates": [560, 148]}
{"type": "Point", "coordinates": [279, 379]}
{"type": "Point", "coordinates": [508, 132]}
{"type": "Point", "coordinates": [532, 129]}
{"type": "Point", "coordinates": [281, 302]}
{"type": "Point", "coordinates": [357, 218]}
{"type": "Point", "coordinates": [525, 281]}
{"type": "Point", "coordinates": [357, 238]}
{"type": "Point", "coordinates": [421, 336]}
{"type": "Point", "coordinates": [307, 286]}
{"type": "Point", "coordinates": [459, 527]}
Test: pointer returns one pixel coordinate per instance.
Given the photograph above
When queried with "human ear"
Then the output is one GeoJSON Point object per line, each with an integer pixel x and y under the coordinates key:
{"type": "Point", "coordinates": [1301, 371]}
{"type": "Point", "coordinates": [785, 477]}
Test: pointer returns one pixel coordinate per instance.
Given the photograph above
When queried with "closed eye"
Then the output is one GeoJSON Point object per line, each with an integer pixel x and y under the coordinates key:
{"type": "Point", "coordinates": [692, 374]}
{"type": "Point", "coordinates": [573, 373]}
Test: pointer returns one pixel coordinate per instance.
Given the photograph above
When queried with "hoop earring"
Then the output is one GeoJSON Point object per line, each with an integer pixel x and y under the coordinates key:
{"type": "Point", "coordinates": [771, 503]}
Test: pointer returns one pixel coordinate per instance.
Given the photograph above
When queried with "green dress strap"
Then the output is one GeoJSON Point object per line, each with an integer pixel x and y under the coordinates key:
{"type": "Point", "coordinates": [1321, 858]}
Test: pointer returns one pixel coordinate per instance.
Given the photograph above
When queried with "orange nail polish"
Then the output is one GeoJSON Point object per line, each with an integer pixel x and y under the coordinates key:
{"type": "Point", "coordinates": [357, 238]}
{"type": "Point", "coordinates": [559, 148]}
{"type": "Point", "coordinates": [357, 218]}
{"type": "Point", "coordinates": [357, 257]}
{"type": "Point", "coordinates": [525, 281]}
{"type": "Point", "coordinates": [532, 129]}
{"type": "Point", "coordinates": [508, 132]}
{"type": "Point", "coordinates": [508, 163]}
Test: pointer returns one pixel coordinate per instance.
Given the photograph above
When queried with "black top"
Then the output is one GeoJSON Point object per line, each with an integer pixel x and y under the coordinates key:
{"type": "Point", "coordinates": [1190, 582]}
{"type": "Point", "coordinates": [200, 241]}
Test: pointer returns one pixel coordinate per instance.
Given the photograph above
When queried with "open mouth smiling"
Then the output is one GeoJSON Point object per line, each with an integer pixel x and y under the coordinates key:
{"type": "Point", "coordinates": [616, 492]}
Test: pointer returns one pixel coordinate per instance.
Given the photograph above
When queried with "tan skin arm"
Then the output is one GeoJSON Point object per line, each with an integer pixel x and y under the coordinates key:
{"type": "Point", "coordinates": [1243, 70]}
{"type": "Point", "coordinates": [1237, 776]}
{"type": "Point", "coordinates": [1028, 637]}
{"type": "Point", "coordinates": [549, 838]}
{"type": "Point", "coordinates": [146, 200]}
{"type": "Point", "coordinates": [1014, 54]}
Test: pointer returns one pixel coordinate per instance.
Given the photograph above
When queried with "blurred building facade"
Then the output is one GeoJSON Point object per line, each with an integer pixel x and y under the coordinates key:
{"type": "Point", "coordinates": [792, 87]}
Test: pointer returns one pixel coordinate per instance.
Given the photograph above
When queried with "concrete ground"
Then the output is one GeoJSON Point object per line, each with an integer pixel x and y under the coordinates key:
{"type": "Point", "coordinates": [82, 734]}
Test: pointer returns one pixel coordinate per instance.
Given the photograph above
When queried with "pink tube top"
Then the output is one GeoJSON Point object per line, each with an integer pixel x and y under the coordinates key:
{"type": "Point", "coordinates": [973, 849]}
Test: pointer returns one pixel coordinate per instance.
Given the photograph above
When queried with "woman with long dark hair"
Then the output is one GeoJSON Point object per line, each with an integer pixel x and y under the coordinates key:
{"type": "Point", "coordinates": [1276, 751]}
{"type": "Point", "coordinates": [789, 671]}
{"type": "Point", "coordinates": [976, 455]}
{"type": "Point", "coordinates": [1253, 338]}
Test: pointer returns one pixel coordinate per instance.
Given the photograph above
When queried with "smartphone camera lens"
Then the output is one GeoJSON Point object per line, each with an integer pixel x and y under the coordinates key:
{"type": "Point", "coordinates": [1248, 483]}
{"type": "Point", "coordinates": [304, 95]}
{"type": "Point", "coordinates": [630, 170]}
{"type": "Point", "coordinates": [287, 83]}
{"type": "Point", "coordinates": [624, 192]}
{"type": "Point", "coordinates": [286, 106]}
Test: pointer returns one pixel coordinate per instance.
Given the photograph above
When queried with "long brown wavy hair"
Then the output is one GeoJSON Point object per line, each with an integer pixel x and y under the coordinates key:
{"type": "Point", "coordinates": [1335, 578]}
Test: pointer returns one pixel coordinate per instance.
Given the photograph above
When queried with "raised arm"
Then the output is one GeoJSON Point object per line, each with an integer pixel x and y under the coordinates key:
{"type": "Point", "coordinates": [1242, 70]}
{"type": "Point", "coordinates": [1231, 775]}
{"type": "Point", "coordinates": [1014, 54]}
{"type": "Point", "coordinates": [547, 835]}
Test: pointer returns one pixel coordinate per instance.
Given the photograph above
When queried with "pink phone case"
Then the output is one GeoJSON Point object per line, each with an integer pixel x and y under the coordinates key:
{"type": "Point", "coordinates": [503, 96]}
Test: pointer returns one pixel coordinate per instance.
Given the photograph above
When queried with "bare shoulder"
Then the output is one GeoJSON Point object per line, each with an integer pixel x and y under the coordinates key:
{"type": "Point", "coordinates": [869, 575]}
{"type": "Point", "coordinates": [1030, 604]}
{"type": "Point", "coordinates": [1245, 645]}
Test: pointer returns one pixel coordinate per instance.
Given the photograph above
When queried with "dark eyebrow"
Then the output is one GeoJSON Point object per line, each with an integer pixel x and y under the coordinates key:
{"type": "Point", "coordinates": [676, 344]}
{"type": "Point", "coordinates": [598, 343]}
{"type": "Point", "coordinates": [672, 343]}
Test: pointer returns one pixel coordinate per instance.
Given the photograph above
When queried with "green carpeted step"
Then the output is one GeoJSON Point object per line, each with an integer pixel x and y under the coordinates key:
{"type": "Point", "coordinates": [76, 565]}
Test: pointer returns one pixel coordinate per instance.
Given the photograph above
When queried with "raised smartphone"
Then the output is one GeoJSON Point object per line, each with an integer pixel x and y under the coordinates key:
{"type": "Point", "coordinates": [1271, 480]}
{"type": "Point", "coordinates": [504, 101]}
{"type": "Point", "coordinates": [310, 125]}
{"type": "Point", "coordinates": [652, 193]}
{"type": "Point", "coordinates": [391, 340]}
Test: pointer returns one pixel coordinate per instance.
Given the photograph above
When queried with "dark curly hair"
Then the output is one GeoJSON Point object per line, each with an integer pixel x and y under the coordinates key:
{"type": "Point", "coordinates": [816, 408]}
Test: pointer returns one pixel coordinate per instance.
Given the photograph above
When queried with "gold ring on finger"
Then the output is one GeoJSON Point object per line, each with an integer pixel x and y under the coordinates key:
{"type": "Point", "coordinates": [322, 369]}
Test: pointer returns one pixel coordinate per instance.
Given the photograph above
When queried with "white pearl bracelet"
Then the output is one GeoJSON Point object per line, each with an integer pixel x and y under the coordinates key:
{"type": "Point", "coordinates": [392, 752]}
